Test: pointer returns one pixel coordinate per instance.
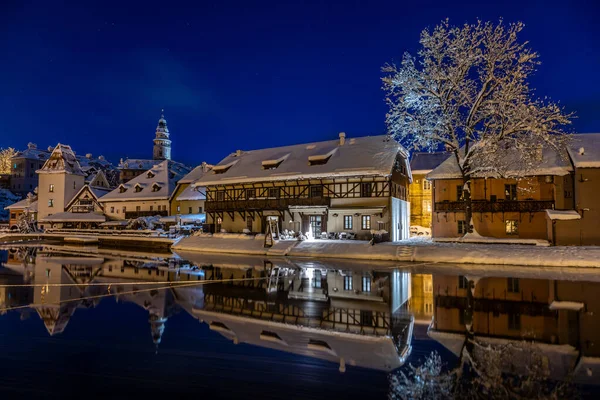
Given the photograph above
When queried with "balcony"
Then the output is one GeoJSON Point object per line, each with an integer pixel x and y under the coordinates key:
{"type": "Point", "coordinates": [265, 204]}
{"type": "Point", "coordinates": [496, 206]}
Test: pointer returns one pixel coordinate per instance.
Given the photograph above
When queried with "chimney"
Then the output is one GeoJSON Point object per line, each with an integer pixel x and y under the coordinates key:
{"type": "Point", "coordinates": [101, 158]}
{"type": "Point", "coordinates": [238, 153]}
{"type": "Point", "coordinates": [342, 138]}
{"type": "Point", "coordinates": [88, 156]}
{"type": "Point", "coordinates": [50, 149]}
{"type": "Point", "coordinates": [31, 146]}
{"type": "Point", "coordinates": [581, 151]}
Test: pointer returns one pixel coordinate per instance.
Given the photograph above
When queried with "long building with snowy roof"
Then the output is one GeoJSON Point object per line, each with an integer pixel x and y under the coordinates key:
{"type": "Point", "coordinates": [147, 194]}
{"type": "Point", "coordinates": [345, 186]}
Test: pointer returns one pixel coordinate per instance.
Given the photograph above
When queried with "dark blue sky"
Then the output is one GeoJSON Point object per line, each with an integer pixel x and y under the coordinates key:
{"type": "Point", "coordinates": [231, 74]}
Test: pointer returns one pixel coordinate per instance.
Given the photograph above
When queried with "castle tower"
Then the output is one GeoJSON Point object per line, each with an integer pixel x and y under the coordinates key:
{"type": "Point", "coordinates": [162, 143]}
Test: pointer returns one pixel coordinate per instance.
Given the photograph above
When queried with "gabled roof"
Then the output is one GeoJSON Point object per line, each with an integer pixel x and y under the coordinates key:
{"type": "Point", "coordinates": [551, 163]}
{"type": "Point", "coordinates": [164, 178]}
{"type": "Point", "coordinates": [96, 192]}
{"type": "Point", "coordinates": [24, 204]}
{"type": "Point", "coordinates": [584, 150]}
{"type": "Point", "coordinates": [423, 163]}
{"type": "Point", "coordinates": [363, 156]}
{"type": "Point", "coordinates": [62, 160]}
{"type": "Point", "coordinates": [196, 173]}
{"type": "Point", "coordinates": [191, 193]}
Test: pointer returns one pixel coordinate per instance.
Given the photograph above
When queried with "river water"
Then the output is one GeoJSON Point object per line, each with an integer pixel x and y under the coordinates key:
{"type": "Point", "coordinates": [77, 322]}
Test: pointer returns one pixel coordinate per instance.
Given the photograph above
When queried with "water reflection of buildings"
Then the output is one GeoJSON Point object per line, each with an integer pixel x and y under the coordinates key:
{"type": "Point", "coordinates": [560, 316]}
{"type": "Point", "coordinates": [350, 314]}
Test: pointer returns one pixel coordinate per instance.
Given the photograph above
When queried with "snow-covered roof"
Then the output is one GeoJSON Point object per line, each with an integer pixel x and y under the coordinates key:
{"type": "Point", "coordinates": [33, 153]}
{"type": "Point", "coordinates": [551, 163]}
{"type": "Point", "coordinates": [196, 173]}
{"type": "Point", "coordinates": [192, 193]}
{"type": "Point", "coordinates": [423, 163]}
{"type": "Point", "coordinates": [62, 160]}
{"type": "Point", "coordinates": [24, 204]}
{"type": "Point", "coordinates": [158, 183]}
{"type": "Point", "coordinates": [564, 215]}
{"type": "Point", "coordinates": [132, 163]}
{"type": "Point", "coordinates": [74, 217]}
{"type": "Point", "coordinates": [363, 156]}
{"type": "Point", "coordinates": [584, 150]}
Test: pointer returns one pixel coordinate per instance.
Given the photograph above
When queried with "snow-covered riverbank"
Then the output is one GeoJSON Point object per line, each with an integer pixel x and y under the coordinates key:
{"type": "Point", "coordinates": [410, 250]}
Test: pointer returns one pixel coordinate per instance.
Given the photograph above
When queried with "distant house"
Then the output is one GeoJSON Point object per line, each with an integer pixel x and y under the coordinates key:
{"type": "Point", "coordinates": [24, 166]}
{"type": "Point", "coordinates": [420, 194]}
{"type": "Point", "coordinates": [341, 186]}
{"type": "Point", "coordinates": [26, 206]}
{"type": "Point", "coordinates": [579, 226]}
{"type": "Point", "coordinates": [60, 178]}
{"type": "Point", "coordinates": [147, 194]}
{"type": "Point", "coordinates": [87, 199]}
{"type": "Point", "coordinates": [502, 207]}
{"type": "Point", "coordinates": [24, 178]}
{"type": "Point", "coordinates": [188, 199]}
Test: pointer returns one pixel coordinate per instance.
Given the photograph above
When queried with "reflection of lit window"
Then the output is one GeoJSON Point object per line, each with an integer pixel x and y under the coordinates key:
{"type": "Point", "coordinates": [428, 287]}
{"type": "Point", "coordinates": [427, 205]}
{"type": "Point", "coordinates": [348, 282]}
{"type": "Point", "coordinates": [366, 284]}
{"type": "Point", "coordinates": [462, 227]}
{"type": "Point", "coordinates": [513, 285]}
{"type": "Point", "coordinates": [317, 280]}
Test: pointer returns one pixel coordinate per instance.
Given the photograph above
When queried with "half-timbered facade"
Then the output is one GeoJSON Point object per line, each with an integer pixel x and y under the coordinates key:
{"type": "Point", "coordinates": [348, 185]}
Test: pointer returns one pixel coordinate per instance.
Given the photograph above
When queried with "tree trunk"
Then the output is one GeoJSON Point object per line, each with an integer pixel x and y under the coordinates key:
{"type": "Point", "coordinates": [468, 203]}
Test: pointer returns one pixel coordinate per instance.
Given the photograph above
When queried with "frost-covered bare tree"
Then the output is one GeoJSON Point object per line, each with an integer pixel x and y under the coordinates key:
{"type": "Point", "coordinates": [5, 156]}
{"type": "Point", "coordinates": [467, 89]}
{"type": "Point", "coordinates": [508, 371]}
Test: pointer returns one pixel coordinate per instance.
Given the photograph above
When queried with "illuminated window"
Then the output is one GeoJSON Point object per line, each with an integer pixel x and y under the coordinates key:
{"type": "Point", "coordinates": [348, 282]}
{"type": "Point", "coordinates": [51, 188]}
{"type": "Point", "coordinates": [366, 222]}
{"type": "Point", "coordinates": [50, 202]}
{"type": "Point", "coordinates": [348, 221]}
{"type": "Point", "coordinates": [511, 226]}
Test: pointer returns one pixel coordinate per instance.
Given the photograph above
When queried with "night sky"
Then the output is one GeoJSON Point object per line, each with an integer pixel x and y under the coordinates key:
{"type": "Point", "coordinates": [235, 75]}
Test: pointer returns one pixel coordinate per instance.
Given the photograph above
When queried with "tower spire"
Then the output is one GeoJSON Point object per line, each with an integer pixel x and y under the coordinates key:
{"type": "Point", "coordinates": [162, 142]}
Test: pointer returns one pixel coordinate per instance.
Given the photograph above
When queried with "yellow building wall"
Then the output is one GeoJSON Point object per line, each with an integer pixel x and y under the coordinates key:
{"type": "Point", "coordinates": [420, 192]}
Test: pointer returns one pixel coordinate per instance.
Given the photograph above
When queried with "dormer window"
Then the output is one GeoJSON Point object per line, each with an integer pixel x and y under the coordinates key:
{"type": "Point", "coordinates": [138, 188]}
{"type": "Point", "coordinates": [273, 164]}
{"type": "Point", "coordinates": [150, 174]}
{"type": "Point", "coordinates": [122, 189]}
{"type": "Point", "coordinates": [321, 159]}
{"type": "Point", "coordinates": [155, 187]}
{"type": "Point", "coordinates": [221, 169]}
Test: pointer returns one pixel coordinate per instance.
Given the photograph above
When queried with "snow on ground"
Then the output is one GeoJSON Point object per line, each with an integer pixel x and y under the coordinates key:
{"type": "Point", "coordinates": [414, 250]}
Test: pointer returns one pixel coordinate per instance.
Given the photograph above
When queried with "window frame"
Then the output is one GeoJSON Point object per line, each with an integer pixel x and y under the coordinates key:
{"type": "Point", "coordinates": [348, 222]}
{"type": "Point", "coordinates": [348, 283]}
{"type": "Point", "coordinates": [365, 222]}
